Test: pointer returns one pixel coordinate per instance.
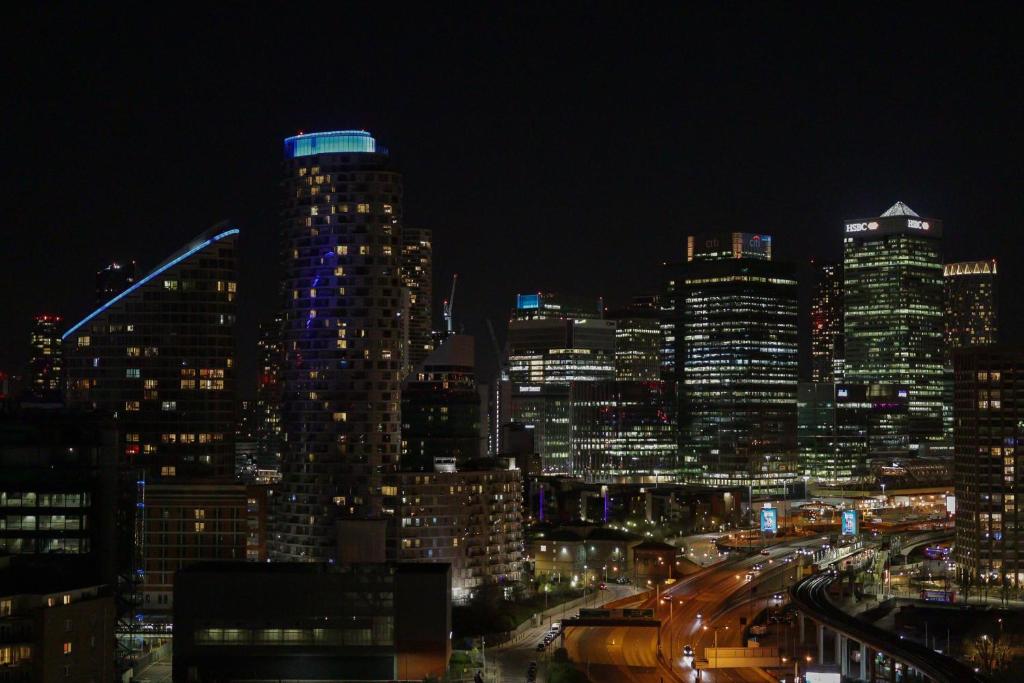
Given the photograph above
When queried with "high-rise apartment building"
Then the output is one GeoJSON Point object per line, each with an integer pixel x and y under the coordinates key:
{"type": "Point", "coordinates": [971, 315]}
{"type": "Point", "coordinates": [893, 319]}
{"type": "Point", "coordinates": [988, 410]}
{"type": "Point", "coordinates": [160, 358]}
{"type": "Point", "coordinates": [827, 323]}
{"type": "Point", "coordinates": [112, 279]}
{"type": "Point", "coordinates": [47, 360]}
{"type": "Point", "coordinates": [342, 337]}
{"type": "Point", "coordinates": [736, 353]}
{"type": "Point", "coordinates": [160, 355]}
{"type": "Point", "coordinates": [267, 427]}
{"type": "Point", "coordinates": [470, 519]}
{"type": "Point", "coordinates": [417, 267]}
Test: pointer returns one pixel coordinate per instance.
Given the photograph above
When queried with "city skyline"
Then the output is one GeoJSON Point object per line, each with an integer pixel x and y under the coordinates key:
{"type": "Point", "coordinates": [843, 166]}
{"type": "Point", "coordinates": [571, 343]}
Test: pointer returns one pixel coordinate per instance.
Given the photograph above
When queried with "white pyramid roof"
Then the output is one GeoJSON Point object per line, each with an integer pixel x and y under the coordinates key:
{"type": "Point", "coordinates": [900, 209]}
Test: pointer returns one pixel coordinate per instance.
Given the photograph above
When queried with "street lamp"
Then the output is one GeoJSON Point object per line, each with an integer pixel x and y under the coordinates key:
{"type": "Point", "coordinates": [715, 629]}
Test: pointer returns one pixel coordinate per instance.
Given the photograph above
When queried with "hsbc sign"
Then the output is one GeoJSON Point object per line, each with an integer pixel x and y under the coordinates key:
{"type": "Point", "coordinates": [862, 227]}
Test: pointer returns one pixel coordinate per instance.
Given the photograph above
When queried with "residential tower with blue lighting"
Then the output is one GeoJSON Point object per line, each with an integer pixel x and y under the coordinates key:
{"type": "Point", "coordinates": [159, 358]}
{"type": "Point", "coordinates": [342, 340]}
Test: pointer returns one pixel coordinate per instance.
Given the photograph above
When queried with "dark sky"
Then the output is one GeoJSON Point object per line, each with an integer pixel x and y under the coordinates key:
{"type": "Point", "coordinates": [568, 148]}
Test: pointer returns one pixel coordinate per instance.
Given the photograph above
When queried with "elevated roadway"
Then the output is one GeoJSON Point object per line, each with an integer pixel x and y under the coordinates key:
{"type": "Point", "coordinates": [810, 597]}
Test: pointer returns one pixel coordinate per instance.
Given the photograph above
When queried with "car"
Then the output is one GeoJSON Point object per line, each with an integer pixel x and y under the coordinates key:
{"type": "Point", "coordinates": [602, 586]}
{"type": "Point", "coordinates": [540, 647]}
{"type": "Point", "coordinates": [532, 666]}
{"type": "Point", "coordinates": [758, 567]}
{"type": "Point", "coordinates": [700, 615]}
{"type": "Point", "coordinates": [687, 651]}
{"type": "Point", "coordinates": [766, 552]}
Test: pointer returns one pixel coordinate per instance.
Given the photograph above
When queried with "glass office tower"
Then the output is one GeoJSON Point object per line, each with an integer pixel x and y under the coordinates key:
{"type": "Point", "coordinates": [893, 327]}
{"type": "Point", "coordinates": [638, 344]}
{"type": "Point", "coordinates": [341, 337]}
{"type": "Point", "coordinates": [842, 426]}
{"type": "Point", "coordinates": [553, 342]}
{"type": "Point", "coordinates": [736, 350]}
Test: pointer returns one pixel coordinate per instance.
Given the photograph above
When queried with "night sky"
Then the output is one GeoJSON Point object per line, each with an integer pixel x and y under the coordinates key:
{"type": "Point", "coordinates": [567, 149]}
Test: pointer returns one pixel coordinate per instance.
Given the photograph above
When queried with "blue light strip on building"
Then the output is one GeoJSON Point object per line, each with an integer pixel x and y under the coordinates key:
{"type": "Point", "coordinates": [332, 142]}
{"type": "Point", "coordinates": [158, 271]}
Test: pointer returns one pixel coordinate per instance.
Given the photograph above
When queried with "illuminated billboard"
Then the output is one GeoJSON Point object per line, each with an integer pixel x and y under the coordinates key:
{"type": "Point", "coordinates": [849, 522]}
{"type": "Point", "coordinates": [524, 301]}
{"type": "Point", "coordinates": [769, 520]}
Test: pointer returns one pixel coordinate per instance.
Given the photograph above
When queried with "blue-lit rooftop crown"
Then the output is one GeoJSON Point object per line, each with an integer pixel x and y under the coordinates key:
{"type": "Point", "coordinates": [331, 142]}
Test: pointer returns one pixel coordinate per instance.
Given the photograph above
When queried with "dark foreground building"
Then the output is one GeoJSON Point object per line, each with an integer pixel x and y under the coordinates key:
{"type": "Point", "coordinates": [988, 414]}
{"type": "Point", "coordinates": [59, 492]}
{"type": "Point", "coordinates": [54, 626]}
{"type": "Point", "coordinates": [237, 621]}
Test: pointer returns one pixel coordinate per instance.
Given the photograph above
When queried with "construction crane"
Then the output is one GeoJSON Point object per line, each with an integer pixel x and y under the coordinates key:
{"type": "Point", "coordinates": [494, 344]}
{"type": "Point", "coordinates": [449, 302]}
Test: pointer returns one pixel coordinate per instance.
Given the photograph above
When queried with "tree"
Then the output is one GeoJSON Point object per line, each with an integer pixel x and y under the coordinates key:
{"type": "Point", "coordinates": [989, 653]}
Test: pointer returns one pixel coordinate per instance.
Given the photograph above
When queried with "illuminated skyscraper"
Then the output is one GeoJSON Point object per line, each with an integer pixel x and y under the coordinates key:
{"type": "Point", "coordinates": [622, 428]}
{"type": "Point", "coordinates": [736, 351]}
{"type": "Point", "coordinates": [113, 279]}
{"type": "Point", "coordinates": [893, 320]}
{"type": "Point", "coordinates": [417, 276]}
{"type": "Point", "coordinates": [840, 427]}
{"type": "Point", "coordinates": [47, 360]}
{"type": "Point", "coordinates": [638, 337]}
{"type": "Point", "coordinates": [554, 341]}
{"type": "Point", "coordinates": [827, 323]}
{"type": "Point", "coordinates": [342, 337]}
{"type": "Point", "coordinates": [971, 316]}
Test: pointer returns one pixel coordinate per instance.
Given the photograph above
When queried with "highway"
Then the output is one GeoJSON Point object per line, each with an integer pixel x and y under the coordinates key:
{"type": "Point", "coordinates": [706, 599]}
